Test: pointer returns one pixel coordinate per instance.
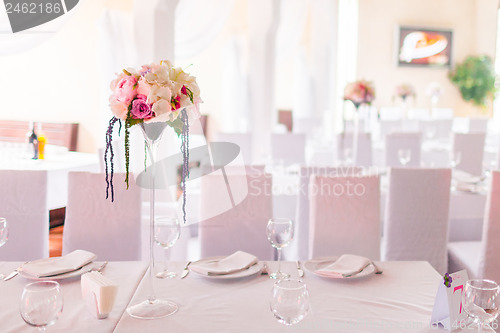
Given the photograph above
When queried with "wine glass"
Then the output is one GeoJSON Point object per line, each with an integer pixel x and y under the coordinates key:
{"type": "Point", "coordinates": [41, 304]}
{"type": "Point", "coordinates": [4, 231]}
{"type": "Point", "coordinates": [404, 156]}
{"type": "Point", "coordinates": [280, 234]}
{"type": "Point", "coordinates": [455, 158]}
{"type": "Point", "coordinates": [167, 232]}
{"type": "Point", "coordinates": [481, 299]}
{"type": "Point", "coordinates": [289, 301]}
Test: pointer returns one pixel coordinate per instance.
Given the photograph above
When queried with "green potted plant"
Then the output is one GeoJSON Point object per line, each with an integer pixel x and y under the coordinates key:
{"type": "Point", "coordinates": [475, 78]}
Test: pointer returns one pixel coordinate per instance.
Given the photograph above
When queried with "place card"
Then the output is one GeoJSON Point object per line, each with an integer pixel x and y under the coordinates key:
{"type": "Point", "coordinates": [448, 310]}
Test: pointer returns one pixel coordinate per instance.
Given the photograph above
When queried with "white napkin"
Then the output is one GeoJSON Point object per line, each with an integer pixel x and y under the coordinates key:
{"type": "Point", "coordinates": [99, 293]}
{"type": "Point", "coordinates": [236, 262]}
{"type": "Point", "coordinates": [465, 177]}
{"type": "Point", "coordinates": [58, 265]}
{"type": "Point", "coordinates": [345, 266]}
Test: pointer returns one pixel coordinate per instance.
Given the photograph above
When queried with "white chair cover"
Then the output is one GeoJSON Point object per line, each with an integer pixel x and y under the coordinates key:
{"type": "Point", "coordinates": [300, 245]}
{"type": "Point", "coordinates": [418, 113]}
{"type": "Point", "coordinates": [471, 148]}
{"type": "Point", "coordinates": [243, 140]}
{"type": "Point", "coordinates": [240, 226]}
{"type": "Point", "coordinates": [288, 147]}
{"type": "Point", "coordinates": [478, 125]}
{"type": "Point", "coordinates": [396, 141]}
{"type": "Point", "coordinates": [481, 258]}
{"type": "Point", "coordinates": [416, 218]}
{"type": "Point", "coordinates": [23, 202]}
{"type": "Point", "coordinates": [364, 155]}
{"type": "Point", "coordinates": [391, 113]}
{"type": "Point", "coordinates": [344, 216]}
{"type": "Point", "coordinates": [111, 230]}
{"type": "Point", "coordinates": [442, 113]}
{"type": "Point", "coordinates": [390, 126]}
{"type": "Point", "coordinates": [307, 125]}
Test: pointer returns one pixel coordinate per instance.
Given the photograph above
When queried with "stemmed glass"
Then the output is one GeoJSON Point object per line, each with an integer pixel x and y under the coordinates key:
{"type": "Point", "coordinates": [404, 156]}
{"type": "Point", "coordinates": [167, 232]}
{"type": "Point", "coordinates": [289, 301]}
{"type": "Point", "coordinates": [481, 299]}
{"type": "Point", "coordinates": [279, 233]}
{"type": "Point", "coordinates": [41, 304]}
{"type": "Point", "coordinates": [455, 158]}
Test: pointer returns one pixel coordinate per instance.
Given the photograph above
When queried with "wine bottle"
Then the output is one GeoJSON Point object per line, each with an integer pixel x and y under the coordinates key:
{"type": "Point", "coordinates": [33, 141]}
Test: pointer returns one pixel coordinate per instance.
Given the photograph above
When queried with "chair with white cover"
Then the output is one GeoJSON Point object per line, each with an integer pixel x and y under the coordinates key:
{"type": "Point", "coordinates": [111, 230]}
{"type": "Point", "coordinates": [471, 149]}
{"type": "Point", "coordinates": [478, 125]}
{"type": "Point", "coordinates": [243, 140]}
{"type": "Point", "coordinates": [300, 244]}
{"type": "Point", "coordinates": [418, 113]}
{"type": "Point", "coordinates": [416, 216]}
{"type": "Point", "coordinates": [288, 148]}
{"type": "Point", "coordinates": [23, 203]}
{"type": "Point", "coordinates": [235, 209]}
{"type": "Point", "coordinates": [436, 128]}
{"type": "Point", "coordinates": [395, 142]}
{"type": "Point", "coordinates": [390, 113]}
{"type": "Point", "coordinates": [363, 156]}
{"type": "Point", "coordinates": [442, 113]}
{"type": "Point", "coordinates": [389, 126]}
{"type": "Point", "coordinates": [481, 258]}
{"type": "Point", "coordinates": [344, 216]}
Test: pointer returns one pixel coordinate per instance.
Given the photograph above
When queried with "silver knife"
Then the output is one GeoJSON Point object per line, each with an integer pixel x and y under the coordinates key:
{"type": "Point", "coordinates": [14, 273]}
{"type": "Point", "coordinates": [299, 270]}
{"type": "Point", "coordinates": [185, 271]}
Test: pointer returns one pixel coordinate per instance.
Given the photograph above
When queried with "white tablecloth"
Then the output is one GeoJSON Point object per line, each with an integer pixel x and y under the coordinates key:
{"type": "Point", "coordinates": [75, 316]}
{"type": "Point", "coordinates": [57, 166]}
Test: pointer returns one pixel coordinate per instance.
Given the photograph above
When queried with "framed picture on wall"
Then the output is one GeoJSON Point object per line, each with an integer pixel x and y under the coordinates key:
{"type": "Point", "coordinates": [422, 47]}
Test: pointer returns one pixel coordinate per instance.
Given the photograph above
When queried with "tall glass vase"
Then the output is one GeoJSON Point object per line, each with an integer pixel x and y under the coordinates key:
{"type": "Point", "coordinates": [152, 308]}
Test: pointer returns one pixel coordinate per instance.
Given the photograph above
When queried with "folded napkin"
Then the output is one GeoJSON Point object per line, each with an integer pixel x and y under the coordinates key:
{"type": "Point", "coordinates": [58, 265]}
{"type": "Point", "coordinates": [236, 262]}
{"type": "Point", "coordinates": [465, 177]}
{"type": "Point", "coordinates": [345, 266]}
{"type": "Point", "coordinates": [99, 293]}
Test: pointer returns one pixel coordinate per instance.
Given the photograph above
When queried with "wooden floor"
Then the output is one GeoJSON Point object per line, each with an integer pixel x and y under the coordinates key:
{"type": "Point", "coordinates": [55, 241]}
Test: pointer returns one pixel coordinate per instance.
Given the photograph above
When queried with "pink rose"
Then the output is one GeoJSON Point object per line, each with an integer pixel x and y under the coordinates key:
{"type": "Point", "coordinates": [119, 109]}
{"type": "Point", "coordinates": [140, 108]}
{"type": "Point", "coordinates": [126, 89]}
{"type": "Point", "coordinates": [143, 88]}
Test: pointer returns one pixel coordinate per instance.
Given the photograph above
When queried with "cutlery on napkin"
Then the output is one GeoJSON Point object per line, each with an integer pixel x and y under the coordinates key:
{"type": "Point", "coordinates": [346, 266]}
{"type": "Point", "coordinates": [58, 265]}
{"type": "Point", "coordinates": [233, 263]}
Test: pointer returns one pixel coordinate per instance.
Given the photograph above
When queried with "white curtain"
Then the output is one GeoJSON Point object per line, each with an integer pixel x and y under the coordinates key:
{"type": "Point", "coordinates": [197, 23]}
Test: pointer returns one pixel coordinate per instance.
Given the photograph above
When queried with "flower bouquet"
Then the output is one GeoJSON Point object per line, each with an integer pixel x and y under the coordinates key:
{"type": "Point", "coordinates": [405, 90]}
{"type": "Point", "coordinates": [359, 92]}
{"type": "Point", "coordinates": [157, 92]}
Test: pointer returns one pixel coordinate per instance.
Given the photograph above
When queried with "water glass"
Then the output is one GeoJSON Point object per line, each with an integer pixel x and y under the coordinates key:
{"type": "Point", "coordinates": [4, 231]}
{"type": "Point", "coordinates": [167, 232]}
{"type": "Point", "coordinates": [481, 299]}
{"type": "Point", "coordinates": [289, 301]}
{"type": "Point", "coordinates": [404, 156]}
{"type": "Point", "coordinates": [41, 304]}
{"type": "Point", "coordinates": [279, 233]}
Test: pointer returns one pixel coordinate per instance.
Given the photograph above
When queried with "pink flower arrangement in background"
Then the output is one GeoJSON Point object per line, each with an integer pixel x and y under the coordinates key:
{"type": "Point", "coordinates": [359, 92]}
{"type": "Point", "coordinates": [405, 90]}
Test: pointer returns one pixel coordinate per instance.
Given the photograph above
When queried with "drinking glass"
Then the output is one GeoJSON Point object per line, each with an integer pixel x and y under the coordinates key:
{"type": "Point", "coordinates": [455, 158]}
{"type": "Point", "coordinates": [41, 304]}
{"type": "Point", "coordinates": [289, 301]}
{"type": "Point", "coordinates": [404, 156]}
{"type": "Point", "coordinates": [279, 233]}
{"type": "Point", "coordinates": [481, 299]}
{"type": "Point", "coordinates": [167, 232]}
{"type": "Point", "coordinates": [4, 231]}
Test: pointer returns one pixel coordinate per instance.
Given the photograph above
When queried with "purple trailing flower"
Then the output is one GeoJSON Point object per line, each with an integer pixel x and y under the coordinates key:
{"type": "Point", "coordinates": [447, 280]}
{"type": "Point", "coordinates": [140, 108]}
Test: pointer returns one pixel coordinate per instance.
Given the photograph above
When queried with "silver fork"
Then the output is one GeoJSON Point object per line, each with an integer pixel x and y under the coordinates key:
{"type": "Point", "coordinates": [98, 269]}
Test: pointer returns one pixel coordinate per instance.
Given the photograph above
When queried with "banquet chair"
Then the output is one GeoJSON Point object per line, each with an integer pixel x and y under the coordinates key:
{"type": "Point", "coordinates": [481, 258]}
{"type": "Point", "coordinates": [243, 140]}
{"type": "Point", "coordinates": [442, 113]}
{"type": "Point", "coordinates": [439, 128]}
{"type": "Point", "coordinates": [391, 113]}
{"type": "Point", "coordinates": [478, 125]}
{"type": "Point", "coordinates": [234, 213]}
{"type": "Point", "coordinates": [300, 244]}
{"type": "Point", "coordinates": [23, 203]}
{"type": "Point", "coordinates": [394, 142]}
{"type": "Point", "coordinates": [418, 113]}
{"type": "Point", "coordinates": [416, 216]}
{"type": "Point", "coordinates": [389, 126]}
{"type": "Point", "coordinates": [363, 156]}
{"type": "Point", "coordinates": [471, 148]}
{"type": "Point", "coordinates": [111, 230]}
{"type": "Point", "coordinates": [344, 216]}
{"type": "Point", "coordinates": [307, 125]}
{"type": "Point", "coordinates": [288, 148]}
